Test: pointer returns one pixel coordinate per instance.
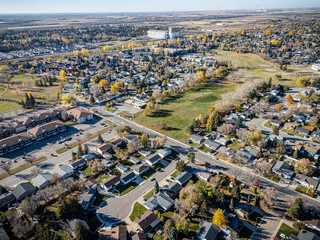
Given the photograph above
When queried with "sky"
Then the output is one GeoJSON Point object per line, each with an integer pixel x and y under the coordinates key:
{"type": "Point", "coordinates": [88, 6]}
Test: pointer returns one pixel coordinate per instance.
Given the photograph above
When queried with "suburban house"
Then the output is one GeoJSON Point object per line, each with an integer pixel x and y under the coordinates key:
{"type": "Point", "coordinates": [42, 180]}
{"type": "Point", "coordinates": [116, 233]}
{"type": "Point", "coordinates": [211, 144]}
{"type": "Point", "coordinates": [130, 138]}
{"type": "Point", "coordinates": [102, 149]}
{"type": "Point", "coordinates": [134, 160]}
{"type": "Point", "coordinates": [78, 164]}
{"type": "Point", "coordinates": [139, 236]}
{"type": "Point", "coordinates": [47, 130]}
{"type": "Point", "coordinates": [307, 235]}
{"type": "Point", "coordinates": [87, 198]}
{"type": "Point", "coordinates": [276, 123]}
{"type": "Point", "coordinates": [64, 171]}
{"type": "Point", "coordinates": [223, 141]}
{"type": "Point", "coordinates": [110, 182]}
{"type": "Point", "coordinates": [244, 155]}
{"type": "Point", "coordinates": [118, 142]}
{"type": "Point", "coordinates": [14, 143]}
{"type": "Point", "coordinates": [172, 190]}
{"type": "Point", "coordinates": [198, 172]}
{"type": "Point", "coordinates": [196, 139]}
{"type": "Point", "coordinates": [164, 152]}
{"type": "Point", "coordinates": [6, 198]}
{"type": "Point", "coordinates": [208, 231]}
{"type": "Point", "coordinates": [80, 115]}
{"type": "Point", "coordinates": [144, 152]}
{"type": "Point", "coordinates": [283, 169]}
{"type": "Point", "coordinates": [128, 177]}
{"type": "Point", "coordinates": [153, 159]}
{"type": "Point", "coordinates": [289, 126]}
{"type": "Point", "coordinates": [140, 169]}
{"type": "Point", "coordinates": [147, 222]}
{"type": "Point", "coordinates": [304, 180]}
{"type": "Point", "coordinates": [22, 190]}
{"type": "Point", "coordinates": [122, 168]}
{"type": "Point", "coordinates": [183, 178]}
{"type": "Point", "coordinates": [310, 150]}
{"type": "Point", "coordinates": [315, 134]}
{"type": "Point", "coordinates": [302, 130]}
{"type": "Point", "coordinates": [159, 201]}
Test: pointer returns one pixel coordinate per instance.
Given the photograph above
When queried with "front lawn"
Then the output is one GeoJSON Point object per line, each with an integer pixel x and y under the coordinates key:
{"type": "Point", "coordinates": [105, 176]}
{"type": "Point", "coordinates": [287, 230]}
{"type": "Point", "coordinates": [137, 210]}
{"type": "Point", "coordinates": [148, 174]}
{"type": "Point", "coordinates": [305, 190]}
{"type": "Point", "coordinates": [149, 195]}
{"type": "Point", "coordinates": [124, 189]}
{"type": "Point", "coordinates": [292, 132]}
{"type": "Point", "coordinates": [99, 199]}
{"type": "Point", "coordinates": [235, 145]}
{"type": "Point", "coordinates": [174, 174]}
{"type": "Point", "coordinates": [204, 149]}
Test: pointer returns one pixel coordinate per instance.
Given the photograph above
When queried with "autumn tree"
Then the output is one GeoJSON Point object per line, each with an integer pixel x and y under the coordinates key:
{"type": "Point", "coordinates": [304, 166]}
{"type": "Point", "coordinates": [254, 137]}
{"type": "Point", "coordinates": [181, 166]}
{"type": "Point", "coordinates": [279, 107]}
{"type": "Point", "coordinates": [63, 74]}
{"type": "Point", "coordinates": [219, 218]}
{"type": "Point", "coordinates": [144, 140]}
{"type": "Point", "coordinates": [303, 81]}
{"type": "Point", "coordinates": [289, 99]}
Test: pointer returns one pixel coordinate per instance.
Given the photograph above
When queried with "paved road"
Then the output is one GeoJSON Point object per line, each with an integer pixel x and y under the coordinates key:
{"type": "Point", "coordinates": [116, 210]}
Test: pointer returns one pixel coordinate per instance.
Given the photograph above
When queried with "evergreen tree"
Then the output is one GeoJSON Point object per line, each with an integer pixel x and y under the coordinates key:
{"type": "Point", "coordinates": [231, 205]}
{"type": "Point", "coordinates": [238, 123]}
{"type": "Point", "coordinates": [86, 149]}
{"type": "Point", "coordinates": [100, 139]}
{"type": "Point", "coordinates": [80, 151]}
{"type": "Point", "coordinates": [156, 188]}
{"type": "Point", "coordinates": [43, 233]}
{"type": "Point", "coordinates": [27, 102]}
{"type": "Point", "coordinates": [32, 101]}
{"type": "Point", "coordinates": [172, 234]}
{"type": "Point", "coordinates": [81, 231]}
{"type": "Point", "coordinates": [191, 156]}
{"type": "Point", "coordinates": [73, 155]}
{"type": "Point", "coordinates": [92, 100]}
{"type": "Point", "coordinates": [295, 154]}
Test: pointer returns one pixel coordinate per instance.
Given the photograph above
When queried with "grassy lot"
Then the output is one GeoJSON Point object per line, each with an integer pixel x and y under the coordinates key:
{"type": "Point", "coordinates": [204, 149]}
{"type": "Point", "coordinates": [124, 189]}
{"type": "Point", "coordinates": [20, 84]}
{"type": "Point", "coordinates": [287, 230]}
{"type": "Point", "coordinates": [292, 132]}
{"type": "Point", "coordinates": [87, 171]}
{"type": "Point", "coordinates": [110, 109]}
{"type": "Point", "coordinates": [137, 210]}
{"type": "Point", "coordinates": [235, 145]}
{"type": "Point", "coordinates": [267, 124]}
{"type": "Point", "coordinates": [8, 106]}
{"type": "Point", "coordinates": [174, 174]}
{"type": "Point", "coordinates": [148, 174]}
{"type": "Point", "coordinates": [156, 236]}
{"type": "Point", "coordinates": [179, 111]}
{"type": "Point", "coordinates": [304, 189]}
{"type": "Point", "coordinates": [273, 178]}
{"type": "Point", "coordinates": [257, 67]}
{"type": "Point", "coordinates": [105, 176]}
{"type": "Point", "coordinates": [99, 199]}
{"type": "Point", "coordinates": [149, 194]}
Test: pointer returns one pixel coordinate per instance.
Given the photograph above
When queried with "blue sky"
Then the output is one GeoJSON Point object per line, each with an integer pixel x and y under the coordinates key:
{"type": "Point", "coordinates": [71, 6]}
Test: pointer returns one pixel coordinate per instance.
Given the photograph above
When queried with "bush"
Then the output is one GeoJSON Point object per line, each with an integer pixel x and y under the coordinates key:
{"type": "Point", "coordinates": [299, 226]}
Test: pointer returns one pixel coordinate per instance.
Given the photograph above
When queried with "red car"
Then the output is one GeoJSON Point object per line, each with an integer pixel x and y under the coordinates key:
{"type": "Point", "coordinates": [315, 141]}
{"type": "Point", "coordinates": [256, 185]}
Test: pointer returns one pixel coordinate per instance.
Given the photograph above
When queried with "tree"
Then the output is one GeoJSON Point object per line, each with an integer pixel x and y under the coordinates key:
{"type": "Point", "coordinates": [267, 198]}
{"type": "Point", "coordinates": [182, 225]}
{"type": "Point", "coordinates": [181, 166]}
{"type": "Point", "coordinates": [296, 209]}
{"type": "Point", "coordinates": [156, 188]}
{"type": "Point", "coordinates": [5, 167]}
{"type": "Point", "coordinates": [30, 159]}
{"type": "Point", "coordinates": [289, 99]}
{"type": "Point", "coordinates": [231, 205]}
{"type": "Point", "coordinates": [63, 74]}
{"type": "Point", "coordinates": [80, 151]}
{"type": "Point", "coordinates": [44, 233]}
{"type": "Point", "coordinates": [254, 137]}
{"type": "Point", "coordinates": [100, 139]}
{"type": "Point", "coordinates": [303, 81]}
{"type": "Point", "coordinates": [144, 140]}
{"type": "Point", "coordinates": [304, 166]}
{"type": "Point", "coordinates": [238, 123]}
{"type": "Point", "coordinates": [278, 107]}
{"type": "Point", "coordinates": [219, 218]}
{"type": "Point", "coordinates": [172, 234]}
{"type": "Point", "coordinates": [81, 231]}
{"type": "Point", "coordinates": [191, 156]}
{"type": "Point", "coordinates": [275, 130]}
{"type": "Point", "coordinates": [92, 100]}
{"type": "Point", "coordinates": [281, 149]}
{"type": "Point", "coordinates": [74, 156]}
{"type": "Point", "coordinates": [86, 149]}
{"type": "Point", "coordinates": [235, 193]}
{"type": "Point", "coordinates": [295, 154]}
{"type": "Point", "coordinates": [255, 201]}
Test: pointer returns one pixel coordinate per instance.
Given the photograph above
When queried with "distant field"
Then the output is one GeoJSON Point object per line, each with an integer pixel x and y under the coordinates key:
{"type": "Point", "coordinates": [22, 83]}
{"type": "Point", "coordinates": [179, 111]}
{"type": "Point", "coordinates": [258, 67]}
{"type": "Point", "coordinates": [8, 106]}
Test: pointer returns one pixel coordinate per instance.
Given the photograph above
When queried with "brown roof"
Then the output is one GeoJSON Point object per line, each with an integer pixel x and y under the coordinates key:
{"type": "Point", "coordinates": [79, 113]}
{"type": "Point", "coordinates": [146, 219]}
{"type": "Point", "coordinates": [104, 146]}
{"type": "Point", "coordinates": [109, 182]}
{"type": "Point", "coordinates": [9, 141]}
{"type": "Point", "coordinates": [139, 236]}
{"type": "Point", "coordinates": [27, 120]}
{"type": "Point", "coordinates": [45, 127]}
{"type": "Point", "coordinates": [116, 233]}
{"type": "Point", "coordinates": [90, 182]}
{"type": "Point", "coordinates": [310, 148]}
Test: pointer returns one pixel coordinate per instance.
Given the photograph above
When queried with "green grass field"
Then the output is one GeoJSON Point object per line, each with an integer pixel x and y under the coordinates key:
{"type": "Point", "coordinates": [258, 67]}
{"type": "Point", "coordinates": [287, 230]}
{"type": "Point", "coordinates": [179, 111]}
{"type": "Point", "coordinates": [8, 106]}
{"type": "Point", "coordinates": [137, 210]}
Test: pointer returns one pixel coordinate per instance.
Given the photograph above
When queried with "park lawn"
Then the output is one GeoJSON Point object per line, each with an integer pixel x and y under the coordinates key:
{"type": "Point", "coordinates": [124, 189]}
{"type": "Point", "coordinates": [20, 84]}
{"type": "Point", "coordinates": [137, 210]}
{"type": "Point", "coordinates": [6, 106]}
{"type": "Point", "coordinates": [180, 110]}
{"type": "Point", "coordinates": [287, 230]}
{"type": "Point", "coordinates": [149, 195]}
{"type": "Point", "coordinates": [235, 145]}
{"type": "Point", "coordinates": [258, 67]}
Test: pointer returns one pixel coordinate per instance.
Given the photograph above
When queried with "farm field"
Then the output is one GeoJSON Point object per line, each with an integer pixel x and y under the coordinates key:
{"type": "Point", "coordinates": [180, 110]}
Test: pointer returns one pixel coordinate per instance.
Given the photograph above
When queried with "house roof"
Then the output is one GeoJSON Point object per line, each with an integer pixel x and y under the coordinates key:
{"type": "Point", "coordinates": [139, 168]}
{"type": "Point", "coordinates": [78, 163]}
{"type": "Point", "coordinates": [104, 147]}
{"type": "Point", "coordinates": [10, 141]}
{"type": "Point", "coordinates": [139, 236]}
{"type": "Point", "coordinates": [85, 197]}
{"type": "Point", "coordinates": [41, 179]}
{"type": "Point", "coordinates": [109, 182]}
{"type": "Point", "coordinates": [159, 200]}
{"type": "Point", "coordinates": [306, 235]}
{"type": "Point", "coordinates": [45, 127]}
{"type": "Point", "coordinates": [208, 231]}
{"type": "Point", "coordinates": [315, 222]}
{"type": "Point", "coordinates": [116, 233]}
{"type": "Point", "coordinates": [211, 144]}
{"type": "Point", "coordinates": [62, 170]}
{"type": "Point", "coordinates": [196, 138]}
{"type": "Point", "coordinates": [163, 151]}
{"type": "Point", "coordinates": [309, 180]}
{"type": "Point", "coordinates": [153, 158]}
{"type": "Point", "coordinates": [79, 113]}
{"type": "Point", "coordinates": [171, 190]}
{"type": "Point", "coordinates": [303, 130]}
{"type": "Point", "coordinates": [134, 159]}
{"type": "Point", "coordinates": [147, 219]}
{"type": "Point", "coordinates": [129, 175]}
{"type": "Point", "coordinates": [183, 177]}
{"type": "Point", "coordinates": [122, 167]}
{"type": "Point", "coordinates": [22, 188]}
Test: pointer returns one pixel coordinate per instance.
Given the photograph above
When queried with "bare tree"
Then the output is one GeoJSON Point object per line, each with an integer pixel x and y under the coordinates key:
{"type": "Point", "coordinates": [134, 147]}
{"type": "Point", "coordinates": [5, 167]}
{"type": "Point", "coordinates": [19, 227]}
{"type": "Point", "coordinates": [28, 206]}
{"type": "Point", "coordinates": [268, 198]}
{"type": "Point", "coordinates": [30, 159]}
{"type": "Point", "coordinates": [35, 171]}
{"type": "Point", "coordinates": [236, 172]}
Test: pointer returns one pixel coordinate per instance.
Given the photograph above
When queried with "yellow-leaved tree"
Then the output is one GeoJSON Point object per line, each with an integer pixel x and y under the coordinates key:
{"type": "Point", "coordinates": [289, 99]}
{"type": "Point", "coordinates": [63, 74]}
{"type": "Point", "coordinates": [219, 218]}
